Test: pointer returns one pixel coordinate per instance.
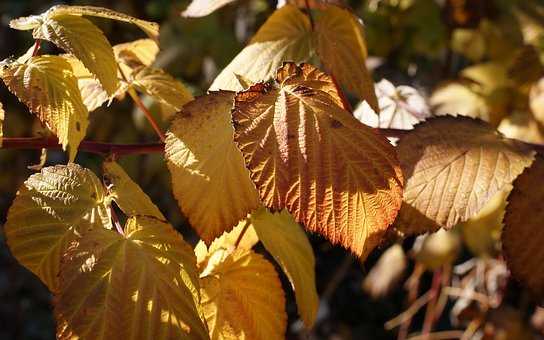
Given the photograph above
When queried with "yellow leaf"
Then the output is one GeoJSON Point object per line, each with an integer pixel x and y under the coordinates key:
{"type": "Point", "coordinates": [127, 194]}
{"type": "Point", "coordinates": [305, 153]}
{"type": "Point", "coordinates": [31, 22]}
{"type": "Point", "coordinates": [453, 167]}
{"type": "Point", "coordinates": [536, 100]}
{"type": "Point", "coordinates": [207, 169]}
{"type": "Point", "coordinates": [387, 273]}
{"type": "Point", "coordinates": [285, 36]}
{"type": "Point", "coordinates": [47, 85]}
{"type": "Point", "coordinates": [489, 76]}
{"type": "Point", "coordinates": [201, 8]}
{"type": "Point", "coordinates": [522, 125]}
{"type": "Point", "coordinates": [143, 51]}
{"type": "Point", "coordinates": [458, 99]}
{"type": "Point", "coordinates": [92, 92]}
{"type": "Point", "coordinates": [81, 38]}
{"type": "Point", "coordinates": [50, 210]}
{"type": "Point", "coordinates": [522, 235]}
{"type": "Point", "coordinates": [140, 285]}
{"type": "Point", "coordinates": [228, 241]}
{"type": "Point", "coordinates": [283, 237]}
{"type": "Point", "coordinates": [2, 117]}
{"type": "Point", "coordinates": [162, 87]}
{"type": "Point", "coordinates": [341, 46]}
{"type": "Point", "coordinates": [242, 297]}
{"type": "Point", "coordinates": [438, 249]}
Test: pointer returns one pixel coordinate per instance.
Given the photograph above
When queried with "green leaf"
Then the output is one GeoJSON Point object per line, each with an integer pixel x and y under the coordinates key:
{"type": "Point", "coordinates": [50, 210]}
{"type": "Point", "coordinates": [140, 285]}
{"type": "Point", "coordinates": [47, 85]}
{"type": "Point", "coordinates": [285, 239]}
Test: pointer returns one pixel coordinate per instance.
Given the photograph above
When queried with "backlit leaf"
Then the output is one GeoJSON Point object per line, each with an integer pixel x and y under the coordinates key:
{"type": "Point", "coordinates": [127, 194]}
{"type": "Point", "coordinates": [92, 92]}
{"type": "Point", "coordinates": [341, 46]}
{"type": "Point", "coordinates": [453, 167]}
{"type": "Point", "coordinates": [2, 117]}
{"type": "Point", "coordinates": [285, 36]}
{"type": "Point", "coordinates": [387, 273]}
{"type": "Point", "coordinates": [242, 297]}
{"type": "Point", "coordinates": [162, 87]}
{"type": "Point", "coordinates": [207, 169]}
{"type": "Point", "coordinates": [523, 234]}
{"type": "Point", "coordinates": [133, 55]}
{"type": "Point", "coordinates": [47, 85]}
{"type": "Point", "coordinates": [140, 285]}
{"type": "Point", "coordinates": [458, 99]}
{"type": "Point", "coordinates": [305, 153]}
{"type": "Point", "coordinates": [31, 22]}
{"type": "Point", "coordinates": [51, 208]}
{"type": "Point", "coordinates": [81, 38]}
{"type": "Point", "coordinates": [201, 8]}
{"type": "Point", "coordinates": [283, 237]}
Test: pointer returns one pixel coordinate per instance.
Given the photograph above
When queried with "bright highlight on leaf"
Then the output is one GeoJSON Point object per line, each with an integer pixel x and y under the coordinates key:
{"type": "Point", "coordinates": [283, 237]}
{"type": "Point", "coordinates": [523, 234]}
{"type": "Point", "coordinates": [201, 8]}
{"type": "Point", "coordinates": [207, 169]}
{"type": "Point", "coordinates": [242, 297]}
{"type": "Point", "coordinates": [285, 36]}
{"type": "Point", "coordinates": [341, 46]}
{"type": "Point", "coordinates": [50, 210]}
{"type": "Point", "coordinates": [453, 167]}
{"type": "Point", "coordinates": [47, 85]}
{"type": "Point", "coordinates": [132, 55]}
{"type": "Point", "coordinates": [336, 176]}
{"type": "Point", "coordinates": [2, 117]}
{"type": "Point", "coordinates": [127, 194]}
{"type": "Point", "coordinates": [138, 286]}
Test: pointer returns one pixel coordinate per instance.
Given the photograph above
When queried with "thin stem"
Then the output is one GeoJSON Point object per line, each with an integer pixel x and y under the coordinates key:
{"type": "Point", "coordinates": [430, 314]}
{"type": "Point", "coordinates": [242, 233]}
{"type": "Point", "coordinates": [148, 114]}
{"type": "Point", "coordinates": [116, 221]}
{"type": "Point", "coordinates": [309, 10]}
{"type": "Point", "coordinates": [37, 45]}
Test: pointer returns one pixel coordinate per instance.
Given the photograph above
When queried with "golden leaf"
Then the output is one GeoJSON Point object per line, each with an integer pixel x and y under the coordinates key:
{"type": "Point", "coordinates": [341, 46]}
{"type": "Point", "coordinates": [523, 234]}
{"type": "Point", "coordinates": [92, 92]}
{"type": "Point", "coordinates": [285, 36]}
{"type": "Point", "coordinates": [127, 194]}
{"type": "Point", "coordinates": [201, 8]}
{"type": "Point", "coordinates": [140, 285]}
{"type": "Point", "coordinates": [336, 176]}
{"type": "Point", "coordinates": [133, 55]}
{"type": "Point", "coordinates": [50, 210]}
{"type": "Point", "coordinates": [242, 297]}
{"type": "Point", "coordinates": [207, 169]}
{"type": "Point", "coordinates": [458, 99]}
{"type": "Point", "coordinates": [453, 167]}
{"type": "Point", "coordinates": [162, 87]}
{"type": "Point", "coordinates": [283, 237]}
{"type": "Point", "coordinates": [47, 85]}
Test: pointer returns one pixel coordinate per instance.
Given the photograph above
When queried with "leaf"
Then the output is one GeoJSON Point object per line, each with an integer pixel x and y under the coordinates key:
{"type": "Point", "coordinates": [127, 194]}
{"type": "Point", "coordinates": [31, 22]}
{"type": "Point", "coordinates": [48, 87]}
{"type": "Point", "coordinates": [51, 208]}
{"type": "Point", "coordinates": [143, 51]}
{"type": "Point", "coordinates": [536, 100]}
{"type": "Point", "coordinates": [162, 87]}
{"type": "Point", "coordinates": [285, 36]}
{"type": "Point", "coordinates": [207, 169]}
{"type": "Point", "coordinates": [242, 297]}
{"type": "Point", "coordinates": [522, 235]}
{"type": "Point", "coordinates": [336, 176]}
{"type": "Point", "coordinates": [458, 99]}
{"type": "Point", "coordinates": [80, 37]}
{"type": "Point", "coordinates": [92, 92]}
{"type": "Point", "coordinates": [401, 107]}
{"type": "Point", "coordinates": [387, 273]}
{"type": "Point", "coordinates": [283, 237]}
{"type": "Point", "coordinates": [201, 8]}
{"type": "Point", "coordinates": [341, 46]}
{"type": "Point", "coordinates": [454, 166]}
{"type": "Point", "coordinates": [140, 285]}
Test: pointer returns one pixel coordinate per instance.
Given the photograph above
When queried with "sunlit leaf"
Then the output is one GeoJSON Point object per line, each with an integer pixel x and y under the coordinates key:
{"type": "Point", "coordinates": [488, 76]}
{"type": "Point", "coordinates": [386, 274]}
{"type": "Point", "coordinates": [162, 87]}
{"type": "Point", "coordinates": [47, 85]}
{"type": "Point", "coordinates": [453, 167]}
{"type": "Point", "coordinates": [2, 117]}
{"type": "Point", "coordinates": [51, 208]}
{"type": "Point", "coordinates": [140, 285]}
{"type": "Point", "coordinates": [305, 153]}
{"type": "Point", "coordinates": [523, 234]}
{"type": "Point", "coordinates": [209, 179]}
{"type": "Point", "coordinates": [458, 99]}
{"type": "Point", "coordinates": [536, 100]}
{"type": "Point", "coordinates": [127, 194]}
{"type": "Point", "coordinates": [283, 237]}
{"type": "Point", "coordinates": [242, 297]}
{"type": "Point", "coordinates": [522, 125]}
{"type": "Point", "coordinates": [92, 92]}
{"type": "Point", "coordinates": [31, 22]}
{"type": "Point", "coordinates": [201, 8]}
{"type": "Point", "coordinates": [143, 51]}
{"type": "Point", "coordinates": [438, 249]}
{"type": "Point", "coordinates": [341, 46]}
{"type": "Point", "coordinates": [285, 36]}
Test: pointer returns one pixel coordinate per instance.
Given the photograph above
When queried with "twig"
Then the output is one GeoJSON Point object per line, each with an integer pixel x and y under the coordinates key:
{"type": "Point", "coordinates": [430, 314]}
{"type": "Point", "coordinates": [309, 10]}
{"type": "Point", "coordinates": [116, 221]}
{"type": "Point", "coordinates": [37, 45]}
{"type": "Point", "coordinates": [412, 285]}
{"type": "Point", "coordinates": [146, 112]}
{"type": "Point", "coordinates": [103, 149]}
{"type": "Point", "coordinates": [409, 313]}
{"type": "Point", "coordinates": [242, 233]}
{"type": "Point", "coordinates": [439, 336]}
